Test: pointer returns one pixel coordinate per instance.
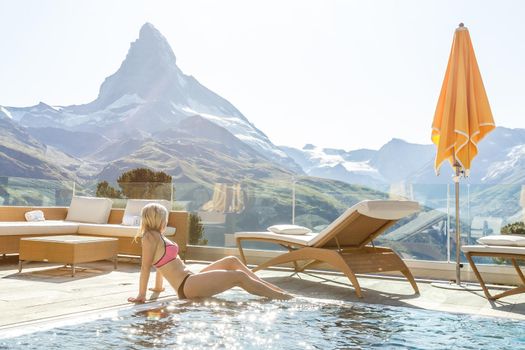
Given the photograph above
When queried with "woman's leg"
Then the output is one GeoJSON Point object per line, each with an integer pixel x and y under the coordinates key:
{"type": "Point", "coordinates": [208, 283]}
{"type": "Point", "coordinates": [233, 263]}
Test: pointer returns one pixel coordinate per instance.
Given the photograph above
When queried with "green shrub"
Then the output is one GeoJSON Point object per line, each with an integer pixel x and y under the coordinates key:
{"type": "Point", "coordinates": [513, 228]}
{"type": "Point", "coordinates": [139, 183]}
{"type": "Point", "coordinates": [196, 230]}
{"type": "Point", "coordinates": [104, 189]}
{"type": "Point", "coordinates": [145, 183]}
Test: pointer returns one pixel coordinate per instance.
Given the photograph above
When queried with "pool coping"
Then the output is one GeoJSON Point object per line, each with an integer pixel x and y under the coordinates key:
{"type": "Point", "coordinates": [18, 329]}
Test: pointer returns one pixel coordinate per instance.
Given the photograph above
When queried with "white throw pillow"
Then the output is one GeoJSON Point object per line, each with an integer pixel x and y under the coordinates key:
{"type": "Point", "coordinates": [289, 229]}
{"type": "Point", "coordinates": [89, 210]}
{"type": "Point", "coordinates": [134, 209]}
{"type": "Point", "coordinates": [35, 215]}
{"type": "Point", "coordinates": [503, 240]}
{"type": "Point", "coordinates": [131, 220]}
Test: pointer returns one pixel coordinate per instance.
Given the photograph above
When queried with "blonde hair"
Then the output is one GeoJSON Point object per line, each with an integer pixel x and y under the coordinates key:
{"type": "Point", "coordinates": [154, 218]}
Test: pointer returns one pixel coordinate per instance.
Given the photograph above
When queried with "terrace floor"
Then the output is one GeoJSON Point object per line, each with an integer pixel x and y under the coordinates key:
{"type": "Point", "coordinates": [46, 291]}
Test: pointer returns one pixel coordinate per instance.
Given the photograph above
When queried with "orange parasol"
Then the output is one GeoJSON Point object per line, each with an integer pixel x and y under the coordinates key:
{"type": "Point", "coordinates": [463, 117]}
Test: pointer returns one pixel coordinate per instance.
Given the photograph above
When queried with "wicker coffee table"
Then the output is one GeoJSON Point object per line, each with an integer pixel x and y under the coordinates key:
{"type": "Point", "coordinates": [68, 250]}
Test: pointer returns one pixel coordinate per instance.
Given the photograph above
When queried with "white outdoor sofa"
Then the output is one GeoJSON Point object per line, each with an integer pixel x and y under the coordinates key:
{"type": "Point", "coordinates": [87, 216]}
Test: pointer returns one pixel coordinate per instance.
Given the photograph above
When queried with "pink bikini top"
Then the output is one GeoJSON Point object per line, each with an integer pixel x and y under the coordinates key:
{"type": "Point", "coordinates": [170, 253]}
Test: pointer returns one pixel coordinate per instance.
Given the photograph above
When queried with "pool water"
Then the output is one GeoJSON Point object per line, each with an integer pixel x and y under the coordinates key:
{"type": "Point", "coordinates": [238, 321]}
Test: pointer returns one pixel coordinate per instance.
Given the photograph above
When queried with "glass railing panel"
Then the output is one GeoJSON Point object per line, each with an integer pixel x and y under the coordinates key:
{"type": "Point", "coordinates": [491, 209]}
{"type": "Point", "coordinates": [420, 236]}
{"type": "Point", "coordinates": [120, 192]}
{"type": "Point", "coordinates": [423, 235]}
{"type": "Point", "coordinates": [320, 201]}
{"type": "Point", "coordinates": [220, 209]}
{"type": "Point", "coordinates": [19, 191]}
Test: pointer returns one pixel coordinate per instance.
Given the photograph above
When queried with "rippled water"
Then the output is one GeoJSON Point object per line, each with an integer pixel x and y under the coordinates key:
{"type": "Point", "coordinates": [237, 321]}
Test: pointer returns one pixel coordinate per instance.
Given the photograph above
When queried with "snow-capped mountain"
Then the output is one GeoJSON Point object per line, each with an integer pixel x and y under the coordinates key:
{"type": "Point", "coordinates": [501, 159]}
{"type": "Point", "coordinates": [147, 94]}
{"type": "Point", "coordinates": [353, 167]}
{"type": "Point", "coordinates": [393, 162]}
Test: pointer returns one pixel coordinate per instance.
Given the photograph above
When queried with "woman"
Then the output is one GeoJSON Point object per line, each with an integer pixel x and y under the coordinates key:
{"type": "Point", "coordinates": [215, 278]}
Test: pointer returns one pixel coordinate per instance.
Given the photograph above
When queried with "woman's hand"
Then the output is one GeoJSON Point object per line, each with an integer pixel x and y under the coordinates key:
{"type": "Point", "coordinates": [139, 299]}
{"type": "Point", "coordinates": [157, 289]}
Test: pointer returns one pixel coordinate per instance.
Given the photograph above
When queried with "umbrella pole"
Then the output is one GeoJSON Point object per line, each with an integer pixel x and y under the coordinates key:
{"type": "Point", "coordinates": [457, 285]}
{"type": "Point", "coordinates": [458, 226]}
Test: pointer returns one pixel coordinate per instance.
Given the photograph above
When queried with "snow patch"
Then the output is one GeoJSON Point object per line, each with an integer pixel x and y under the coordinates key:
{"type": "Point", "coordinates": [359, 167]}
{"type": "Point", "coordinates": [255, 141]}
{"type": "Point", "coordinates": [515, 155]}
{"type": "Point", "coordinates": [238, 127]}
{"type": "Point", "coordinates": [318, 156]}
{"type": "Point", "coordinates": [214, 118]}
{"type": "Point", "coordinates": [6, 112]}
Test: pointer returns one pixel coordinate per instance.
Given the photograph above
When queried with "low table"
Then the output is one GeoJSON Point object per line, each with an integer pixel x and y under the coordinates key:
{"type": "Point", "coordinates": [68, 250]}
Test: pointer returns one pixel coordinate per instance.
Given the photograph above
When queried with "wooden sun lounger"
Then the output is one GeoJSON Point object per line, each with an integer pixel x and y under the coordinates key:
{"type": "Point", "coordinates": [505, 252]}
{"type": "Point", "coordinates": [346, 244]}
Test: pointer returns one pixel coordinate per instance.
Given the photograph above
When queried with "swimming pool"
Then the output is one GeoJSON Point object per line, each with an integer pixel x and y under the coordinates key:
{"type": "Point", "coordinates": [238, 321]}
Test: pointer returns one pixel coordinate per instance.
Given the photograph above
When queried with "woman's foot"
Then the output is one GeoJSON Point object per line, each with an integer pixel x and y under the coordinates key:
{"type": "Point", "coordinates": [137, 300]}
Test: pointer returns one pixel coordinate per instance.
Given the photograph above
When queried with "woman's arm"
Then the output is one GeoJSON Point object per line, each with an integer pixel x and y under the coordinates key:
{"type": "Point", "coordinates": [159, 279]}
{"type": "Point", "coordinates": [148, 252]}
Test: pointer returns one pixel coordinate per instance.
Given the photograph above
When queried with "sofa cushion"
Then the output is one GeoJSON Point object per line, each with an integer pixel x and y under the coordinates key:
{"type": "Point", "coordinates": [89, 209]}
{"type": "Point", "coordinates": [114, 230]}
{"type": "Point", "coordinates": [133, 210]}
{"type": "Point", "coordinates": [48, 227]}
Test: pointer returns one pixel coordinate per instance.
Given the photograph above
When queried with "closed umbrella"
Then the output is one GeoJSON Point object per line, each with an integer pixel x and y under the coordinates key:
{"type": "Point", "coordinates": [462, 118]}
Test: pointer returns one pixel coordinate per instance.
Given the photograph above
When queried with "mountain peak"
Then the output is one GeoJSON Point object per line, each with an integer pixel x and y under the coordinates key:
{"type": "Point", "coordinates": [153, 42]}
{"type": "Point", "coordinates": [149, 70]}
{"type": "Point", "coordinates": [148, 29]}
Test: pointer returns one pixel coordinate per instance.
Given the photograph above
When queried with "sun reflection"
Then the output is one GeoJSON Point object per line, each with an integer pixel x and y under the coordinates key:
{"type": "Point", "coordinates": [260, 324]}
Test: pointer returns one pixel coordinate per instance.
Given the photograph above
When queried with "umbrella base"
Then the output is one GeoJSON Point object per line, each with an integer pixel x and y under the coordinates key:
{"type": "Point", "coordinates": [456, 286]}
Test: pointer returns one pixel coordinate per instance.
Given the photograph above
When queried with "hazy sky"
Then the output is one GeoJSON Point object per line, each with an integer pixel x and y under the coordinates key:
{"type": "Point", "coordinates": [342, 74]}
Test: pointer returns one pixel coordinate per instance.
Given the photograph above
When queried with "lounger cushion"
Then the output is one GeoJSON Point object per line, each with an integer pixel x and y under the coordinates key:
{"type": "Point", "coordinates": [289, 229]}
{"type": "Point", "coordinates": [375, 209]}
{"type": "Point", "coordinates": [493, 249]}
{"type": "Point", "coordinates": [387, 209]}
{"type": "Point", "coordinates": [89, 209]}
{"type": "Point", "coordinates": [134, 209]}
{"type": "Point", "coordinates": [297, 239]}
{"type": "Point", "coordinates": [503, 240]}
{"type": "Point", "coordinates": [114, 230]}
{"type": "Point", "coordinates": [379, 210]}
{"type": "Point", "coordinates": [48, 227]}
